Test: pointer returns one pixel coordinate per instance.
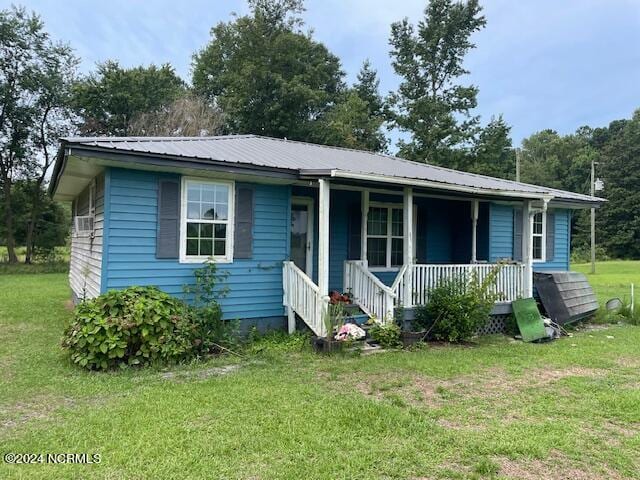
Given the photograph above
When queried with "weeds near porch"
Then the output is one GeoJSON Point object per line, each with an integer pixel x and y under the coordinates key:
{"type": "Point", "coordinates": [458, 307]}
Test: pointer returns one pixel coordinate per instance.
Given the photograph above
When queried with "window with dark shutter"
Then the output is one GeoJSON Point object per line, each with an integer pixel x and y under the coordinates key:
{"type": "Point", "coordinates": [551, 236]}
{"type": "Point", "coordinates": [168, 234]}
{"type": "Point", "coordinates": [243, 232]}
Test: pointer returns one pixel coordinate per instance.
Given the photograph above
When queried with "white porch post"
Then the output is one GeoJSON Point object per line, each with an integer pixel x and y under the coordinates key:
{"type": "Point", "coordinates": [527, 249]}
{"type": "Point", "coordinates": [363, 228]}
{"type": "Point", "coordinates": [407, 301]}
{"type": "Point", "coordinates": [475, 205]}
{"type": "Point", "coordinates": [323, 247]}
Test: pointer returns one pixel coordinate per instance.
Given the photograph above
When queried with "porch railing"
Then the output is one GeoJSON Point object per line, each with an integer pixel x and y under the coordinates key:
{"type": "Point", "coordinates": [509, 282]}
{"type": "Point", "coordinates": [374, 297]}
{"type": "Point", "coordinates": [303, 297]}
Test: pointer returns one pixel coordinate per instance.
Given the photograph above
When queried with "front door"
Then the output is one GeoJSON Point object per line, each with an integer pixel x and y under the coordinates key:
{"type": "Point", "coordinates": [302, 233]}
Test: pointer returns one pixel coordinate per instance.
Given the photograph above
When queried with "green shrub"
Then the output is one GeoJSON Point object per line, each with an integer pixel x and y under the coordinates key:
{"type": "Point", "coordinates": [458, 307]}
{"type": "Point", "coordinates": [135, 326]}
{"type": "Point", "coordinates": [215, 334]}
{"type": "Point", "coordinates": [387, 335]}
{"type": "Point", "coordinates": [582, 254]}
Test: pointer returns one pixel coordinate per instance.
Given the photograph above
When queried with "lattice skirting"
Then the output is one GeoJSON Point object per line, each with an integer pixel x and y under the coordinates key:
{"type": "Point", "coordinates": [496, 324]}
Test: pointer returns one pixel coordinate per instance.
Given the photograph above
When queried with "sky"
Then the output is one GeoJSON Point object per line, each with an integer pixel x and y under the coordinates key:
{"type": "Point", "coordinates": [539, 63]}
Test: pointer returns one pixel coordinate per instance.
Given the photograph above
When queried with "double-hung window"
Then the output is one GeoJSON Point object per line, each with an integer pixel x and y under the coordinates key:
{"type": "Point", "coordinates": [538, 230]}
{"type": "Point", "coordinates": [206, 228]}
{"type": "Point", "coordinates": [385, 236]}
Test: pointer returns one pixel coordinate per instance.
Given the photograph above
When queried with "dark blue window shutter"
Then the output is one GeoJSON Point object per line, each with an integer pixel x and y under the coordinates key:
{"type": "Point", "coordinates": [243, 230]}
{"type": "Point", "coordinates": [168, 234]}
{"type": "Point", "coordinates": [355, 231]}
{"type": "Point", "coordinates": [517, 235]}
{"type": "Point", "coordinates": [551, 236]}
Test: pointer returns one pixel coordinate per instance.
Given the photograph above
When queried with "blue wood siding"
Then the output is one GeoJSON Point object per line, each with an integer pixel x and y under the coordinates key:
{"type": "Point", "coordinates": [500, 232]}
{"type": "Point", "coordinates": [562, 247]}
{"type": "Point", "coordinates": [501, 237]}
{"type": "Point", "coordinates": [255, 285]}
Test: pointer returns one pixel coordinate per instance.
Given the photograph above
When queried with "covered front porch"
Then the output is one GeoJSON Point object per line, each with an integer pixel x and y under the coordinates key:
{"type": "Point", "coordinates": [388, 246]}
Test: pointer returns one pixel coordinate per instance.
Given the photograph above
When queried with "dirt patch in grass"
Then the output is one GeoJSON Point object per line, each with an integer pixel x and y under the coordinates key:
{"type": "Point", "coordinates": [556, 467]}
{"type": "Point", "coordinates": [489, 384]}
{"type": "Point", "coordinates": [202, 374]}
{"type": "Point", "coordinates": [40, 408]}
{"type": "Point", "coordinates": [628, 362]}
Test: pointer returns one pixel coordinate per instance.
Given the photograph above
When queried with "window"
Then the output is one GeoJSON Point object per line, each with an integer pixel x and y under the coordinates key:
{"type": "Point", "coordinates": [538, 227]}
{"type": "Point", "coordinates": [206, 227]}
{"type": "Point", "coordinates": [385, 236]}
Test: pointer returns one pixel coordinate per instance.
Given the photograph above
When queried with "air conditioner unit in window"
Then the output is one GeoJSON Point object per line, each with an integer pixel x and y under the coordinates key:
{"type": "Point", "coordinates": [84, 224]}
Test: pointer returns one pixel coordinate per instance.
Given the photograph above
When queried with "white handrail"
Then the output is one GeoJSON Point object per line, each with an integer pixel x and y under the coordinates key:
{"type": "Point", "coordinates": [303, 297]}
{"type": "Point", "coordinates": [374, 297]}
{"type": "Point", "coordinates": [398, 285]}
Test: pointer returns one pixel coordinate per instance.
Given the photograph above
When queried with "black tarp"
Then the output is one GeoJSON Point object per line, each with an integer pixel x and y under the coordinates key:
{"type": "Point", "coordinates": [566, 296]}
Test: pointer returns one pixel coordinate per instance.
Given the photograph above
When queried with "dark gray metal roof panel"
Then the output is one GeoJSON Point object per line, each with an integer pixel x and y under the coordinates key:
{"type": "Point", "coordinates": [566, 296]}
{"type": "Point", "coordinates": [306, 157]}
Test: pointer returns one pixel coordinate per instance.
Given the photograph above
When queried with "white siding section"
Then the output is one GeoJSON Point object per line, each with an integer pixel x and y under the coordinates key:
{"type": "Point", "coordinates": [85, 268]}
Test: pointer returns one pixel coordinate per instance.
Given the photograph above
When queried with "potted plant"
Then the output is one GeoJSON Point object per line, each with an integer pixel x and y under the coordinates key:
{"type": "Point", "coordinates": [333, 320]}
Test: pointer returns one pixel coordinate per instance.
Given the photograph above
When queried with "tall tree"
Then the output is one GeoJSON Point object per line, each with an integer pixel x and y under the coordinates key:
{"type": "Point", "coordinates": [51, 221]}
{"type": "Point", "coordinates": [493, 152]}
{"type": "Point", "coordinates": [111, 98]}
{"type": "Point", "coordinates": [557, 161]}
{"type": "Point", "coordinates": [619, 219]}
{"type": "Point", "coordinates": [35, 73]}
{"type": "Point", "coordinates": [430, 104]}
{"type": "Point", "coordinates": [267, 76]}
{"type": "Point", "coordinates": [356, 120]}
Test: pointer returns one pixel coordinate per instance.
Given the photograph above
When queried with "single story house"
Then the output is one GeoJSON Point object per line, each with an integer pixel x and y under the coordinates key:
{"type": "Point", "coordinates": [290, 221]}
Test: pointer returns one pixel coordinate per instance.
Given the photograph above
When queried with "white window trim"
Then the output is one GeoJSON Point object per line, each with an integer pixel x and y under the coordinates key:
{"type": "Point", "coordinates": [390, 206]}
{"type": "Point", "coordinates": [228, 256]}
{"type": "Point", "coordinates": [543, 236]}
{"type": "Point", "coordinates": [90, 213]}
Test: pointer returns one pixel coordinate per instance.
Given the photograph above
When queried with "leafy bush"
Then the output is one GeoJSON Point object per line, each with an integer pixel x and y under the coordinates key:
{"type": "Point", "coordinates": [387, 335]}
{"type": "Point", "coordinates": [582, 254]}
{"type": "Point", "coordinates": [135, 326]}
{"type": "Point", "coordinates": [215, 333]}
{"type": "Point", "coordinates": [458, 307]}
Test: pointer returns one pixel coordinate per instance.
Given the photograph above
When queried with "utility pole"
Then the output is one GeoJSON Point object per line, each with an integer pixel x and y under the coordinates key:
{"type": "Point", "coordinates": [517, 164]}
{"type": "Point", "coordinates": [593, 217]}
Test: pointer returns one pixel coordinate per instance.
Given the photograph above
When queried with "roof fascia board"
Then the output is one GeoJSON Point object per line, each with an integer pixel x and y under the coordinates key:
{"type": "Point", "coordinates": [437, 185]}
{"type": "Point", "coordinates": [179, 162]}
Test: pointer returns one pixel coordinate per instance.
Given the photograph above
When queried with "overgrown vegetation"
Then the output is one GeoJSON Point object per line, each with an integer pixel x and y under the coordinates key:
{"type": "Point", "coordinates": [387, 335]}
{"type": "Point", "coordinates": [458, 307]}
{"type": "Point", "coordinates": [135, 326]}
{"type": "Point", "coordinates": [143, 325]}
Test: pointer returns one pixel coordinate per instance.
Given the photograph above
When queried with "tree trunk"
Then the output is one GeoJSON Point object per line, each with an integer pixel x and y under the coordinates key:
{"type": "Point", "coordinates": [33, 219]}
{"type": "Point", "coordinates": [29, 240]}
{"type": "Point", "coordinates": [8, 223]}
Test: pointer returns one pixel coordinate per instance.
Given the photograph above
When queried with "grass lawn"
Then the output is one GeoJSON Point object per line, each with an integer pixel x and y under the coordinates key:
{"type": "Point", "coordinates": [613, 279]}
{"type": "Point", "coordinates": [501, 409]}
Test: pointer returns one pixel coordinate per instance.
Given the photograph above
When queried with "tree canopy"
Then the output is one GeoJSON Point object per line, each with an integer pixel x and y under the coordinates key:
{"type": "Point", "coordinates": [35, 78]}
{"type": "Point", "coordinates": [267, 76]}
{"type": "Point", "coordinates": [356, 120]}
{"type": "Point", "coordinates": [430, 102]}
{"type": "Point", "coordinates": [109, 99]}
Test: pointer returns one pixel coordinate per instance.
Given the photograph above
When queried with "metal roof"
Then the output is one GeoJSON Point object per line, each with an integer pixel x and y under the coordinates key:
{"type": "Point", "coordinates": [311, 159]}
